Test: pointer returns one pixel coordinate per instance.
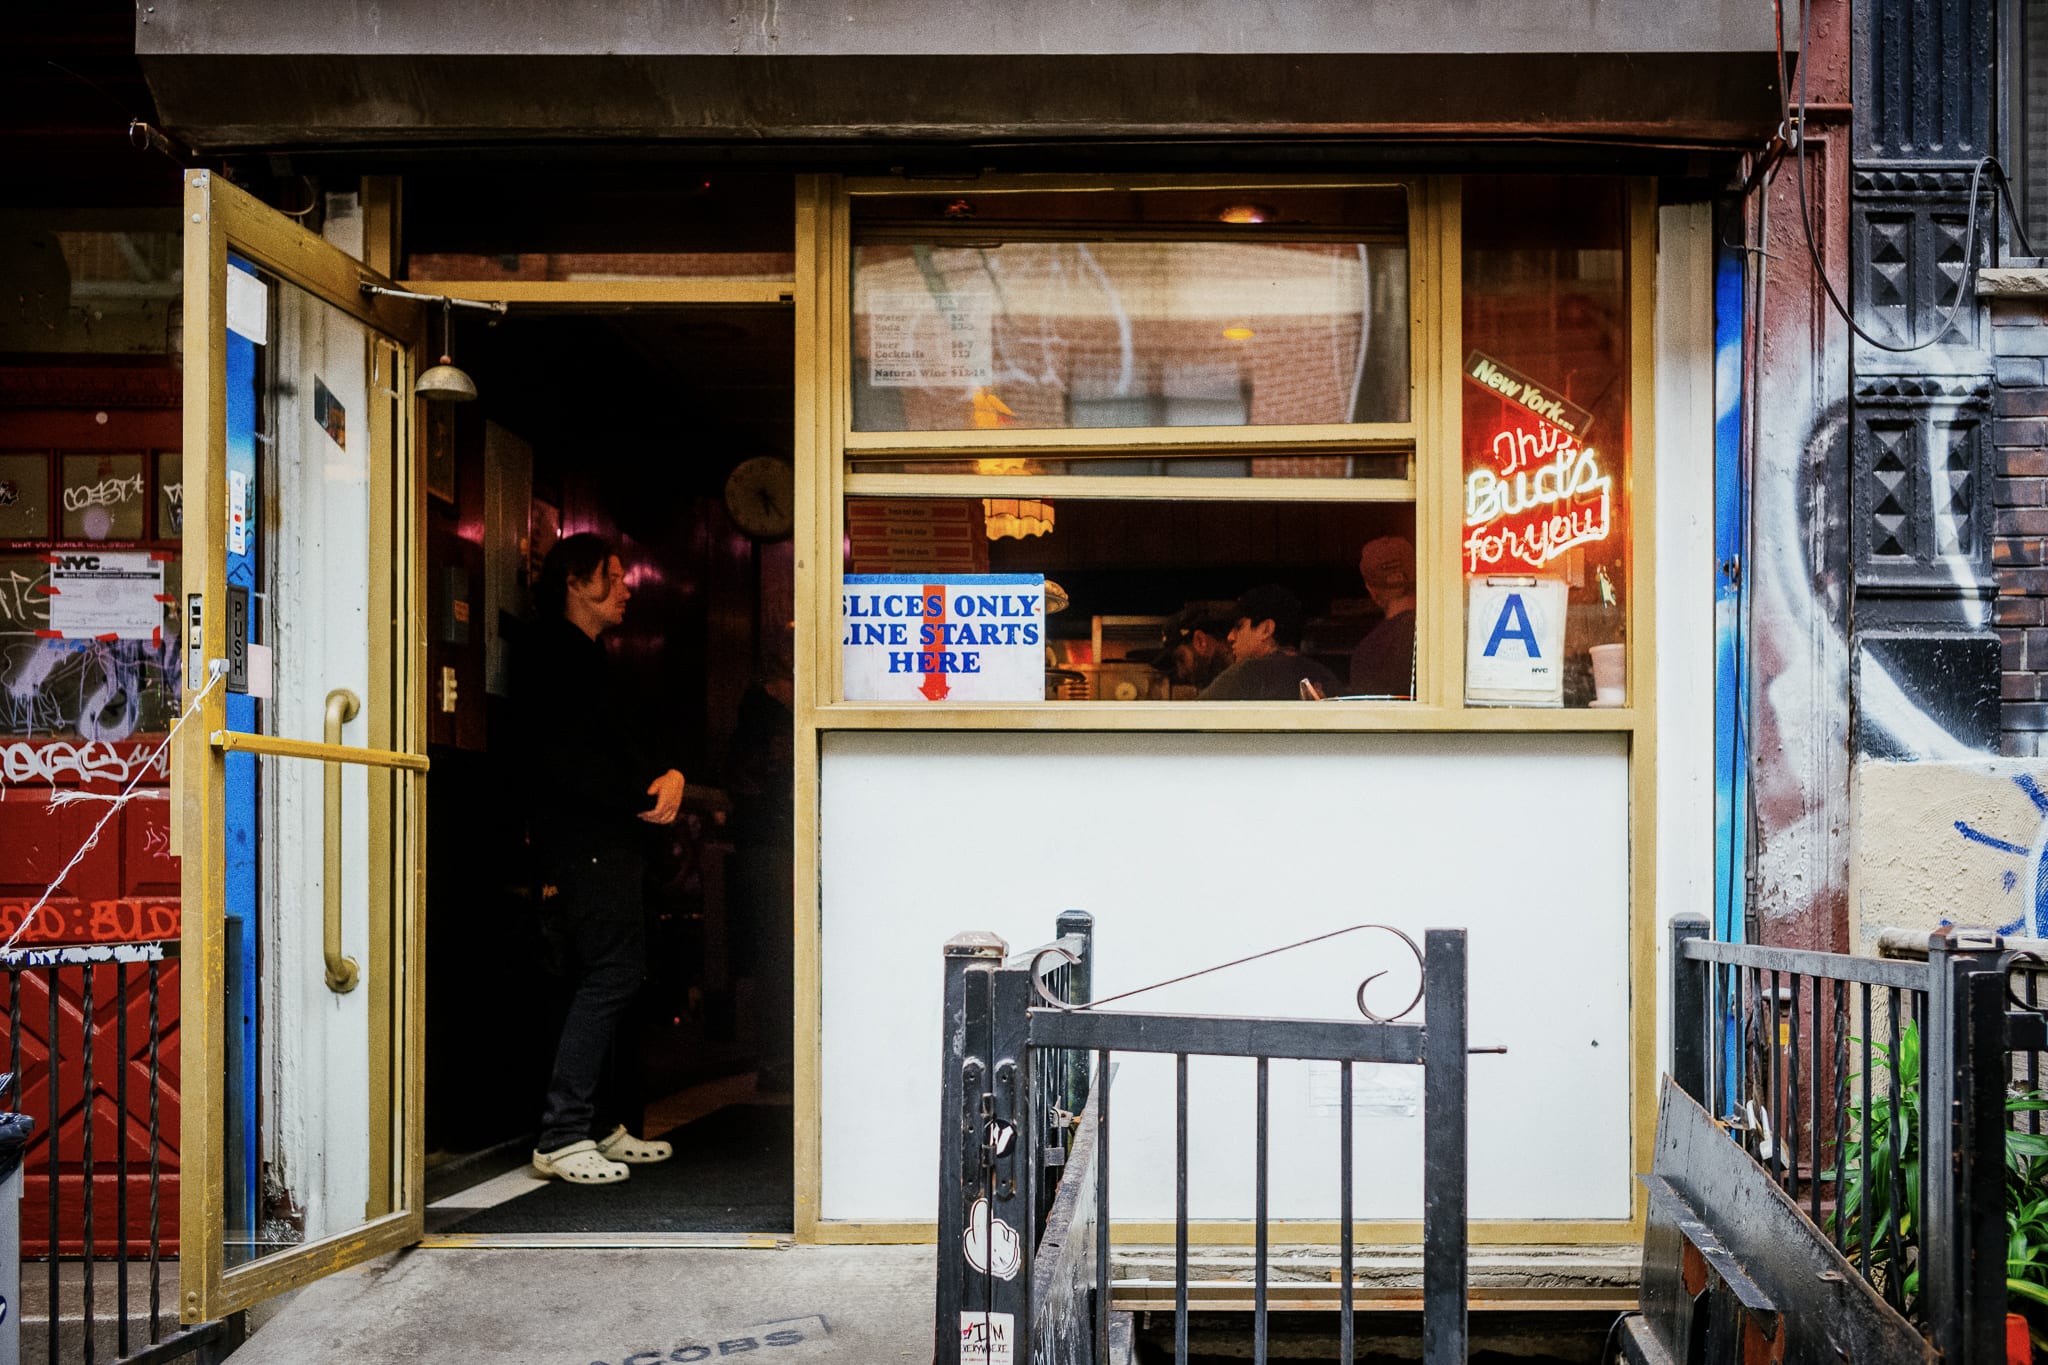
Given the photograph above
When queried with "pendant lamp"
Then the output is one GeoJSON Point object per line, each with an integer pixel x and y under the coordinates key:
{"type": "Point", "coordinates": [444, 383]}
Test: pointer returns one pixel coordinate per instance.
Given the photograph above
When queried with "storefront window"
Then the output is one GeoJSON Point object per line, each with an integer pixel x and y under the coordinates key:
{"type": "Point", "coordinates": [999, 548]}
{"type": "Point", "coordinates": [104, 497]}
{"type": "Point", "coordinates": [1545, 382]}
{"type": "Point", "coordinates": [997, 339]}
{"type": "Point", "coordinates": [83, 283]}
{"type": "Point", "coordinates": [89, 573]}
{"type": "Point", "coordinates": [1120, 599]}
{"type": "Point", "coordinates": [1001, 317]}
{"type": "Point", "coordinates": [24, 497]}
{"type": "Point", "coordinates": [587, 222]}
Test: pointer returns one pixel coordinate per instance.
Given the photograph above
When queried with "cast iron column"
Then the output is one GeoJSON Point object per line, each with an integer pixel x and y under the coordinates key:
{"type": "Point", "coordinates": [1925, 656]}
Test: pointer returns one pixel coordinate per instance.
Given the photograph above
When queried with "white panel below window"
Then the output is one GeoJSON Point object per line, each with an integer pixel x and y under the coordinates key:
{"type": "Point", "coordinates": [1193, 849]}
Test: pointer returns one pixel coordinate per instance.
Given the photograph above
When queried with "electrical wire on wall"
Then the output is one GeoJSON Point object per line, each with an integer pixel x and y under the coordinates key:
{"type": "Point", "coordinates": [1793, 129]}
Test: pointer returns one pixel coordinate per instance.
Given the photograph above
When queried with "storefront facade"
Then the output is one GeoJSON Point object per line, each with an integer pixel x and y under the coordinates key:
{"type": "Point", "coordinates": [1197, 831]}
{"type": "Point", "coordinates": [1196, 311]}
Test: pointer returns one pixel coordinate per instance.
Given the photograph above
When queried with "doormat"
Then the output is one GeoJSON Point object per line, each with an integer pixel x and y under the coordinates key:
{"type": "Point", "coordinates": [733, 1171]}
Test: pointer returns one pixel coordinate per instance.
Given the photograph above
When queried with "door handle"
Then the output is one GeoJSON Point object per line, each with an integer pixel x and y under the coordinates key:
{"type": "Point", "coordinates": [342, 972]}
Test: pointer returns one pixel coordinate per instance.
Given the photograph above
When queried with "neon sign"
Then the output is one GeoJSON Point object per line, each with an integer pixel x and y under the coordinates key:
{"type": "Point", "coordinates": [1526, 515]}
{"type": "Point", "coordinates": [1539, 492]}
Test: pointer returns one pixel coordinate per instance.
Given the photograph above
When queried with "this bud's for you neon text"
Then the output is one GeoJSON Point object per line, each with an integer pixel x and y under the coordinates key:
{"type": "Point", "coordinates": [943, 637]}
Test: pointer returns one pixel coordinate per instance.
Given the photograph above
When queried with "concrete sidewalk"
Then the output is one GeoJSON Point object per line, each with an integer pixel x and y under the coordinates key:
{"type": "Point", "coordinates": [578, 1306]}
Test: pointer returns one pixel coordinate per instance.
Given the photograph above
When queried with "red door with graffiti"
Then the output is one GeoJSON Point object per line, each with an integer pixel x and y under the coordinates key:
{"type": "Point", "coordinates": [90, 516]}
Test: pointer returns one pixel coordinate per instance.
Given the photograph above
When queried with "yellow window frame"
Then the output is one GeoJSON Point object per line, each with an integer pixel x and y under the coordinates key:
{"type": "Point", "coordinates": [828, 453]}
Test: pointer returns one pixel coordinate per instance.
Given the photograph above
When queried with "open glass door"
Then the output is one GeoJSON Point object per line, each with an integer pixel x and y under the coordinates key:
{"type": "Point", "coordinates": [299, 782]}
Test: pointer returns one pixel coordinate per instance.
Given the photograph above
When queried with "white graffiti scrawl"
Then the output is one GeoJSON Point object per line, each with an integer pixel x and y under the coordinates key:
{"type": "Point", "coordinates": [23, 763]}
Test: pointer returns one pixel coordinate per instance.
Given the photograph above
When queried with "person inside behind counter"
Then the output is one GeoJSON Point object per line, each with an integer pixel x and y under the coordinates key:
{"type": "Point", "coordinates": [1266, 644]}
{"type": "Point", "coordinates": [1196, 647]}
{"type": "Point", "coordinates": [1383, 664]}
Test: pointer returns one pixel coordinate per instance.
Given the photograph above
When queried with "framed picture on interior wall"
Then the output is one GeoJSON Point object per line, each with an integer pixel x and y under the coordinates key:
{"type": "Point", "coordinates": [440, 434]}
{"type": "Point", "coordinates": [543, 529]}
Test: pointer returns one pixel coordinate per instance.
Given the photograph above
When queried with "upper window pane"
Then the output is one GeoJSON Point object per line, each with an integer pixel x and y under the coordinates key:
{"type": "Point", "coordinates": [107, 283]}
{"type": "Point", "coordinates": [986, 324]}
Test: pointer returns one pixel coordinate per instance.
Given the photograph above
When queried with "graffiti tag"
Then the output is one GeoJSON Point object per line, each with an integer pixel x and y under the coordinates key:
{"type": "Point", "coordinates": [106, 493]}
{"type": "Point", "coordinates": [122, 920]}
{"type": "Point", "coordinates": [94, 761]}
{"type": "Point", "coordinates": [762, 1336]}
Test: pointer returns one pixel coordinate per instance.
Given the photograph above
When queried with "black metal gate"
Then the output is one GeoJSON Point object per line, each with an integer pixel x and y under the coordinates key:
{"type": "Point", "coordinates": [1024, 1196]}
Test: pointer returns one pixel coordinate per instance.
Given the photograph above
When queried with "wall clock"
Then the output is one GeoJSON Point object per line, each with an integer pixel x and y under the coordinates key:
{"type": "Point", "coordinates": [761, 496]}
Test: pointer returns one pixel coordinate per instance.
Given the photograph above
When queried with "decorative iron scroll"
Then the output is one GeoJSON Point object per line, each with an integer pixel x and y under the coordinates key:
{"type": "Point", "coordinates": [1038, 973]}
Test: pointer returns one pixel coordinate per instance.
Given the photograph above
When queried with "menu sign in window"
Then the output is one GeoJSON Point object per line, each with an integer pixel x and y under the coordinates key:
{"type": "Point", "coordinates": [930, 339]}
{"type": "Point", "coordinates": [943, 637]}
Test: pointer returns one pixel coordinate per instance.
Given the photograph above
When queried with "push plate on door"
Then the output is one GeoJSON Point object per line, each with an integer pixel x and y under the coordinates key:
{"type": "Point", "coordinates": [238, 639]}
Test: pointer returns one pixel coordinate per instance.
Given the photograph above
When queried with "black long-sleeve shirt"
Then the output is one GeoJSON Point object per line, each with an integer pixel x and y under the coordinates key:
{"type": "Point", "coordinates": [590, 765]}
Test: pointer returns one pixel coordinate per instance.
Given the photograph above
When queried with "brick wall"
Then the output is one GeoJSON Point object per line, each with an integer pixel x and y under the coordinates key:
{"type": "Point", "coordinates": [2019, 547]}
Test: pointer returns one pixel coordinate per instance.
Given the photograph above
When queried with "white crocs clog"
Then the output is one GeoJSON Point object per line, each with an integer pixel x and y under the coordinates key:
{"type": "Point", "coordinates": [580, 1163]}
{"type": "Point", "coordinates": [621, 1145]}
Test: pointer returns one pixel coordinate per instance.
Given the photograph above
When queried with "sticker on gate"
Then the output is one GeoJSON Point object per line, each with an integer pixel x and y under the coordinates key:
{"type": "Point", "coordinates": [988, 1339]}
{"type": "Point", "coordinates": [993, 1246]}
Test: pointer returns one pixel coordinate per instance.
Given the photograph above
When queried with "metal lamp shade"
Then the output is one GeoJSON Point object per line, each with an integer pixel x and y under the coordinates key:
{"type": "Point", "coordinates": [444, 383]}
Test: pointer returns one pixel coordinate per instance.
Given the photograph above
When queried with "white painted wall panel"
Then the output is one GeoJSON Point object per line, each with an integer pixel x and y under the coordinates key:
{"type": "Point", "coordinates": [1685, 579]}
{"type": "Point", "coordinates": [1193, 849]}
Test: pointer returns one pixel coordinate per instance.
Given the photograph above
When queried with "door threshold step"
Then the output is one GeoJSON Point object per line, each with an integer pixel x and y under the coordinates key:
{"type": "Point", "coordinates": [606, 1241]}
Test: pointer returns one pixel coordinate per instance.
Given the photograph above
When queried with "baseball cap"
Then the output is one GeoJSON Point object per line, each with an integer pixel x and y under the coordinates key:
{"type": "Point", "coordinates": [1388, 562]}
{"type": "Point", "coordinates": [1184, 623]}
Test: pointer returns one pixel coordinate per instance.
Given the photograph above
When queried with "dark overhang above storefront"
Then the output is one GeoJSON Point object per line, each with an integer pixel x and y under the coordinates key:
{"type": "Point", "coordinates": [244, 75]}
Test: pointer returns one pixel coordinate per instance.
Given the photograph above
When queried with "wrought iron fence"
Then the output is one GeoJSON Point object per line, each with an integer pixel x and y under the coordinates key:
{"type": "Point", "coordinates": [93, 1065]}
{"type": "Point", "coordinates": [1873, 1091]}
{"type": "Point", "coordinates": [1024, 1188]}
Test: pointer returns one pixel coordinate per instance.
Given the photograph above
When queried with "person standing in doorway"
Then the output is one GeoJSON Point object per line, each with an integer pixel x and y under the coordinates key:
{"type": "Point", "coordinates": [595, 789]}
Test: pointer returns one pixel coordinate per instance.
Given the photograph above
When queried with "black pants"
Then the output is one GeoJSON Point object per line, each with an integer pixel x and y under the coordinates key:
{"type": "Point", "coordinates": [600, 919]}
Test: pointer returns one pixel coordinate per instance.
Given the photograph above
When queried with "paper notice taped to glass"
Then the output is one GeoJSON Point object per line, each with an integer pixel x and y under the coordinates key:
{"type": "Point", "coordinates": [1377, 1090]}
{"type": "Point", "coordinates": [930, 339]}
{"type": "Point", "coordinates": [248, 306]}
{"type": "Point", "coordinates": [106, 595]}
{"type": "Point", "coordinates": [1515, 640]}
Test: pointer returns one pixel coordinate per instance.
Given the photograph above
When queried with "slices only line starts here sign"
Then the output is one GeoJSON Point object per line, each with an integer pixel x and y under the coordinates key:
{"type": "Point", "coordinates": [943, 637]}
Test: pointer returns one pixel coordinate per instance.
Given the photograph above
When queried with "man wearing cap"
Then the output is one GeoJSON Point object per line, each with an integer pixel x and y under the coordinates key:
{"type": "Point", "coordinates": [1266, 644]}
{"type": "Point", "coordinates": [1196, 646]}
{"type": "Point", "coordinates": [1383, 664]}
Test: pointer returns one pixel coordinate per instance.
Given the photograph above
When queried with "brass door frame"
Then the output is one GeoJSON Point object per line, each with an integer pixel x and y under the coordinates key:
{"type": "Point", "coordinates": [220, 218]}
